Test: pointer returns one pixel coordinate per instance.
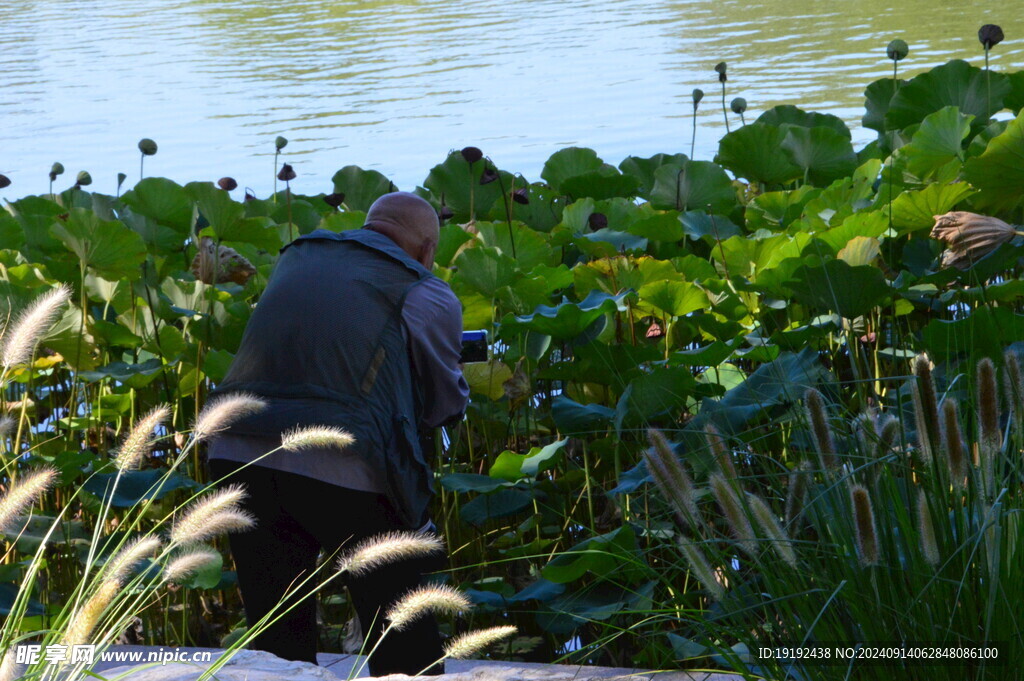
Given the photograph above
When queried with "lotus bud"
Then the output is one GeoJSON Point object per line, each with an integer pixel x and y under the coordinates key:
{"type": "Point", "coordinates": [280, 143]}
{"type": "Point", "coordinates": [489, 175]}
{"type": "Point", "coordinates": [55, 170]}
{"type": "Point", "coordinates": [334, 200]}
{"type": "Point", "coordinates": [897, 50]}
{"type": "Point", "coordinates": [4, 181]}
{"type": "Point", "coordinates": [445, 213]}
{"type": "Point", "coordinates": [738, 105]}
{"type": "Point", "coordinates": [84, 179]}
{"type": "Point", "coordinates": [147, 146]}
{"type": "Point", "coordinates": [990, 35]}
{"type": "Point", "coordinates": [969, 237]}
{"type": "Point", "coordinates": [227, 183]}
{"type": "Point", "coordinates": [521, 196]}
{"type": "Point", "coordinates": [472, 154]}
{"type": "Point", "coordinates": [597, 221]}
{"type": "Point", "coordinates": [720, 68]}
{"type": "Point", "coordinates": [698, 95]}
{"type": "Point", "coordinates": [249, 196]}
{"type": "Point", "coordinates": [287, 173]}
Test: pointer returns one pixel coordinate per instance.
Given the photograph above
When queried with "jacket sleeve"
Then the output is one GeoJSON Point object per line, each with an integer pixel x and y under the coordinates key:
{"type": "Point", "coordinates": [432, 316]}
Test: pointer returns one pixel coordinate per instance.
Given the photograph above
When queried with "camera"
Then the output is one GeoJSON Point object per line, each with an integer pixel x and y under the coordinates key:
{"type": "Point", "coordinates": [474, 347]}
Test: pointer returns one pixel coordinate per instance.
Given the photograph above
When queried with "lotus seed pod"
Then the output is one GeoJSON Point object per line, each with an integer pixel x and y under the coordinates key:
{"type": "Point", "coordinates": [488, 176]}
{"type": "Point", "coordinates": [990, 35]}
{"type": "Point", "coordinates": [521, 195]}
{"type": "Point", "coordinates": [249, 196]}
{"type": "Point", "coordinates": [334, 200]}
{"type": "Point", "coordinates": [280, 143]}
{"type": "Point", "coordinates": [698, 95]}
{"type": "Point", "coordinates": [720, 68]}
{"type": "Point", "coordinates": [83, 179]}
{"type": "Point", "coordinates": [227, 183]}
{"type": "Point", "coordinates": [287, 173]}
{"type": "Point", "coordinates": [897, 50]}
{"type": "Point", "coordinates": [445, 213]}
{"type": "Point", "coordinates": [738, 105]}
{"type": "Point", "coordinates": [472, 154]}
{"type": "Point", "coordinates": [597, 221]}
{"type": "Point", "coordinates": [4, 181]}
{"type": "Point", "coordinates": [147, 146]}
{"type": "Point", "coordinates": [55, 170]}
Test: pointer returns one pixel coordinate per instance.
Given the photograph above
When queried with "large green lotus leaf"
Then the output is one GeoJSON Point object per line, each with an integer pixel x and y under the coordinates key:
{"type": "Point", "coordinates": [1014, 101]}
{"type": "Point", "coordinates": [750, 256]}
{"type": "Point", "coordinates": [567, 163]}
{"type": "Point", "coordinates": [694, 268]}
{"type": "Point", "coordinates": [449, 242]}
{"type": "Point", "coordinates": [11, 234]}
{"type": "Point", "coordinates": [159, 239]}
{"type": "Point", "coordinates": [834, 204]}
{"type": "Point", "coordinates": [542, 458]}
{"type": "Point", "coordinates": [849, 291]}
{"type": "Point", "coordinates": [36, 214]}
{"type": "Point", "coordinates": [643, 169]}
{"type": "Point", "coordinates": [955, 83]}
{"type": "Point", "coordinates": [163, 201]}
{"type": "Point", "coordinates": [878, 96]}
{"type": "Point", "coordinates": [528, 247]}
{"type": "Point", "coordinates": [788, 114]}
{"type": "Point", "coordinates": [134, 486]}
{"type": "Point", "coordinates": [755, 153]}
{"type": "Point", "coordinates": [600, 555]}
{"type": "Point", "coordinates": [861, 250]}
{"type": "Point", "coordinates": [674, 298]}
{"type": "Point", "coordinates": [346, 220]}
{"type": "Point", "coordinates": [661, 226]}
{"type": "Point", "coordinates": [542, 213]}
{"type": "Point", "coordinates": [986, 332]}
{"type": "Point", "coordinates": [916, 210]}
{"type": "Point", "coordinates": [699, 224]}
{"type": "Point", "coordinates": [871, 224]}
{"type": "Point", "coordinates": [938, 142]}
{"type": "Point", "coordinates": [298, 212]}
{"type": "Point", "coordinates": [472, 482]}
{"type": "Point", "coordinates": [650, 396]}
{"type": "Point", "coordinates": [457, 184]}
{"type": "Point", "coordinates": [568, 320]}
{"type": "Point", "coordinates": [573, 418]}
{"type": "Point", "coordinates": [775, 211]}
{"type": "Point", "coordinates": [979, 143]}
{"type": "Point", "coordinates": [601, 184]}
{"type": "Point", "coordinates": [607, 243]}
{"type": "Point", "coordinates": [576, 214]}
{"type": "Point", "coordinates": [999, 172]}
{"type": "Point", "coordinates": [694, 185]}
{"type": "Point", "coordinates": [500, 504]}
{"type": "Point", "coordinates": [362, 187]}
{"type": "Point", "coordinates": [535, 288]}
{"type": "Point", "coordinates": [110, 248]}
{"type": "Point", "coordinates": [824, 154]}
{"type": "Point", "coordinates": [226, 218]}
{"type": "Point", "coordinates": [485, 270]}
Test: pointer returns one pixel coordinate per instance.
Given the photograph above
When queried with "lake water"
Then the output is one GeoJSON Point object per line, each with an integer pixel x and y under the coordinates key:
{"type": "Point", "coordinates": [395, 85]}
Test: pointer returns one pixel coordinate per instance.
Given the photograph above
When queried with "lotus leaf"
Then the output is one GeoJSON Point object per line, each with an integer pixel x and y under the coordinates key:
{"type": "Point", "coordinates": [753, 153]}
{"type": "Point", "coordinates": [600, 184]}
{"type": "Point", "coordinates": [787, 114]}
{"type": "Point", "coordinates": [485, 270]}
{"type": "Point", "coordinates": [643, 169]}
{"type": "Point", "coordinates": [694, 185]}
{"type": "Point", "coordinates": [568, 319]}
{"type": "Point", "coordinates": [999, 172]}
{"type": "Point", "coordinates": [569, 163]}
{"type": "Point", "coordinates": [674, 298]}
{"type": "Point", "coordinates": [955, 83]}
{"type": "Point", "coordinates": [573, 418]}
{"type": "Point", "coordinates": [699, 224]}
{"type": "Point", "coordinates": [916, 210]}
{"type": "Point", "coordinates": [361, 187]}
{"type": "Point", "coordinates": [109, 248]}
{"type": "Point", "coordinates": [134, 486]}
{"type": "Point", "coordinates": [878, 96]}
{"type": "Point", "coordinates": [824, 154]}
{"type": "Point", "coordinates": [851, 291]}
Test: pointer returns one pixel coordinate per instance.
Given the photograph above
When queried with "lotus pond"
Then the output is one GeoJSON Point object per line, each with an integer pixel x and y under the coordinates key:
{"type": "Point", "coordinates": [729, 402]}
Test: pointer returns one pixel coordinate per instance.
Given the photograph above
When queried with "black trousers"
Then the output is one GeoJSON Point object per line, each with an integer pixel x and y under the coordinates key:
{"type": "Point", "coordinates": [296, 518]}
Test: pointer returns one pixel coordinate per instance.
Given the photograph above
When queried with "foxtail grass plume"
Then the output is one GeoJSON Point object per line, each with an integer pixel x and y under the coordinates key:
{"type": "Point", "coordinates": [769, 524]}
{"type": "Point", "coordinates": [725, 494]}
{"type": "Point", "coordinates": [220, 412]}
{"type": "Point", "coordinates": [796, 496]}
{"type": "Point", "coordinates": [23, 493]}
{"type": "Point", "coordinates": [119, 567]}
{"type": "Point", "coordinates": [888, 431]}
{"type": "Point", "coordinates": [384, 549]}
{"type": "Point", "coordinates": [434, 598]}
{"type": "Point", "coordinates": [990, 439]}
{"type": "Point", "coordinates": [10, 669]}
{"type": "Point", "coordinates": [864, 524]}
{"type": "Point", "coordinates": [214, 515]}
{"type": "Point", "coordinates": [469, 644]}
{"type": "Point", "coordinates": [822, 434]}
{"type": "Point", "coordinates": [20, 338]}
{"type": "Point", "coordinates": [7, 425]}
{"type": "Point", "coordinates": [969, 237]}
{"type": "Point", "coordinates": [186, 564]}
{"type": "Point", "coordinates": [671, 478]}
{"type": "Point", "coordinates": [722, 454]}
{"type": "Point", "coordinates": [313, 437]}
{"type": "Point", "coordinates": [929, 547]}
{"type": "Point", "coordinates": [953, 443]}
{"type": "Point", "coordinates": [702, 570]}
{"type": "Point", "coordinates": [926, 407]}
{"type": "Point", "coordinates": [1013, 386]}
{"type": "Point", "coordinates": [84, 620]}
{"type": "Point", "coordinates": [139, 440]}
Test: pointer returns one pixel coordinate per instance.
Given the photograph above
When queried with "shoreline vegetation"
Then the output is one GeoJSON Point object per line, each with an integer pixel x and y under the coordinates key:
{"type": "Point", "coordinates": [770, 399]}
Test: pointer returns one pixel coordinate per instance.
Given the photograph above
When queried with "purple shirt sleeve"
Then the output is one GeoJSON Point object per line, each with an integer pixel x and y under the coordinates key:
{"type": "Point", "coordinates": [432, 316]}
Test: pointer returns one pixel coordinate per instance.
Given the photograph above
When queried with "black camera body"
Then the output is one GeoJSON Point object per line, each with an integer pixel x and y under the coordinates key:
{"type": "Point", "coordinates": [474, 347]}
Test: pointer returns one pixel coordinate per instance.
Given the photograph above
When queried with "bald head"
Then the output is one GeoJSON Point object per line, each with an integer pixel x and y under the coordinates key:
{"type": "Point", "coordinates": [409, 221]}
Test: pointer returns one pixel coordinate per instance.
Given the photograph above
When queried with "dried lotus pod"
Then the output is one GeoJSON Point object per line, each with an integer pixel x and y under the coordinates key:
{"type": "Point", "coordinates": [229, 266]}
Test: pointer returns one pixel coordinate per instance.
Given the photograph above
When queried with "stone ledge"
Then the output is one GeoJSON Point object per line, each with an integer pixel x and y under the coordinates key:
{"type": "Point", "coordinates": [250, 665]}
